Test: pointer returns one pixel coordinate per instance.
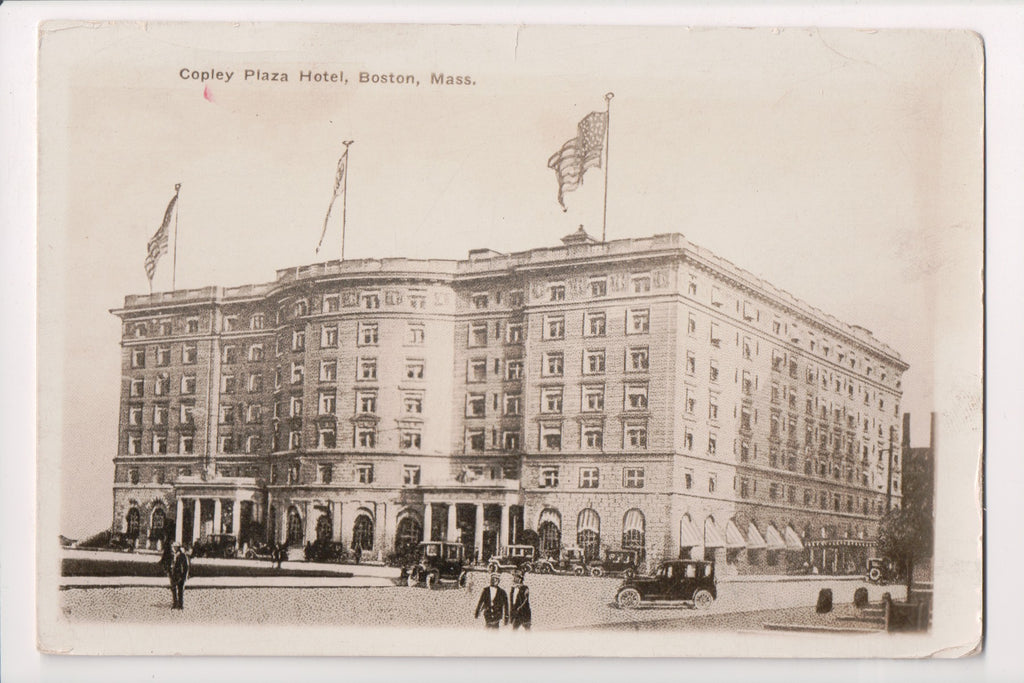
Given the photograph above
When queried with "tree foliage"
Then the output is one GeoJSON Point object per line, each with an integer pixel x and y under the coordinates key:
{"type": "Point", "coordinates": [906, 534]}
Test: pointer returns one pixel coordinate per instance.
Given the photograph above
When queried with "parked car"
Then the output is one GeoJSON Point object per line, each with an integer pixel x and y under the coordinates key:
{"type": "Point", "coordinates": [262, 551]}
{"type": "Point", "coordinates": [438, 561]}
{"type": "Point", "coordinates": [121, 542]}
{"type": "Point", "coordinates": [620, 562]}
{"type": "Point", "coordinates": [514, 557]}
{"type": "Point", "coordinates": [325, 551]}
{"type": "Point", "coordinates": [881, 571]}
{"type": "Point", "coordinates": [570, 560]}
{"type": "Point", "coordinates": [689, 581]}
{"type": "Point", "coordinates": [216, 545]}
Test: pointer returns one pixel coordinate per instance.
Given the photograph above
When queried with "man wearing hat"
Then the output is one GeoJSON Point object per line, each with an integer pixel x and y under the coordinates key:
{"type": "Point", "coordinates": [179, 573]}
{"type": "Point", "coordinates": [519, 602]}
{"type": "Point", "coordinates": [493, 604]}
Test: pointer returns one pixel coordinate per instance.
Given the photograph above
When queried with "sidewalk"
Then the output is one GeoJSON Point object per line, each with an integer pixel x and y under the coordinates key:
{"type": "Point", "coordinates": [363, 581]}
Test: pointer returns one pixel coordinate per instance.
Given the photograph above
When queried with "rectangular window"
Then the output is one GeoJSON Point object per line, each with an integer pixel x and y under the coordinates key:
{"type": "Point", "coordinates": [475, 440]}
{"type": "Point", "coordinates": [551, 437]}
{"type": "Point", "coordinates": [638, 321]}
{"type": "Point", "coordinates": [548, 477]}
{"type": "Point", "coordinates": [227, 384]}
{"type": "Point", "coordinates": [590, 478]}
{"type": "Point", "coordinates": [295, 406]}
{"type": "Point", "coordinates": [744, 488]}
{"type": "Point", "coordinates": [748, 383]}
{"type": "Point", "coordinates": [186, 443]}
{"type": "Point", "coordinates": [328, 403]}
{"type": "Point", "coordinates": [594, 324]}
{"type": "Point", "coordinates": [551, 400]}
{"type": "Point", "coordinates": [514, 369]}
{"type": "Point", "coordinates": [328, 336]}
{"type": "Point", "coordinates": [554, 327]}
{"type": "Point", "coordinates": [691, 324]}
{"type": "Point", "coordinates": [368, 334]}
{"type": "Point", "coordinates": [226, 444]}
{"type": "Point", "coordinates": [593, 436]}
{"type": "Point", "coordinates": [593, 399]}
{"type": "Point", "coordinates": [328, 370]}
{"type": "Point", "coordinates": [186, 414]}
{"type": "Point", "coordinates": [511, 441]}
{"type": "Point", "coordinates": [417, 301]}
{"type": "Point", "coordinates": [255, 382]}
{"type": "Point", "coordinates": [714, 371]}
{"type": "Point", "coordinates": [412, 441]}
{"type": "Point", "coordinates": [369, 301]}
{"type": "Point", "coordinates": [635, 435]}
{"type": "Point", "coordinates": [256, 352]}
{"type": "Point", "coordinates": [513, 404]}
{"type": "Point", "coordinates": [229, 355]}
{"type": "Point", "coordinates": [253, 413]}
{"type": "Point", "coordinates": [189, 353]}
{"type": "Point", "coordinates": [633, 477]}
{"type": "Point", "coordinates": [599, 287]}
{"type": "Point", "coordinates": [366, 402]}
{"type": "Point", "coordinates": [641, 284]}
{"type": "Point", "coordinates": [414, 369]}
{"type": "Point", "coordinates": [691, 363]}
{"type": "Point", "coordinates": [326, 437]}
{"type": "Point", "coordinates": [639, 359]}
{"type": "Point", "coordinates": [413, 403]}
{"type": "Point", "coordinates": [298, 340]}
{"type": "Point", "coordinates": [415, 334]}
{"type": "Point", "coordinates": [135, 416]}
{"type": "Point", "coordinates": [712, 408]}
{"type": "Point", "coordinates": [478, 334]}
{"type": "Point", "coordinates": [712, 445]}
{"type": "Point", "coordinates": [477, 371]}
{"type": "Point", "coordinates": [688, 479]}
{"type": "Point", "coordinates": [411, 475]}
{"type": "Point", "coordinates": [476, 405]}
{"type": "Point", "coordinates": [324, 473]}
{"type": "Point", "coordinates": [554, 364]}
{"type": "Point", "coordinates": [690, 402]}
{"type": "Point", "coordinates": [480, 301]}
{"type": "Point", "coordinates": [160, 415]}
{"type": "Point", "coordinates": [366, 436]}
{"type": "Point", "coordinates": [367, 369]}
{"type": "Point", "coordinates": [515, 333]}
{"type": "Point", "coordinates": [556, 293]}
{"type": "Point", "coordinates": [163, 355]}
{"type": "Point", "coordinates": [593, 363]}
{"type": "Point", "coordinates": [364, 474]}
{"type": "Point", "coordinates": [160, 444]}
{"type": "Point", "coordinates": [297, 373]}
{"type": "Point", "coordinates": [135, 444]}
{"type": "Point", "coordinates": [192, 325]}
{"type": "Point", "coordinates": [635, 397]}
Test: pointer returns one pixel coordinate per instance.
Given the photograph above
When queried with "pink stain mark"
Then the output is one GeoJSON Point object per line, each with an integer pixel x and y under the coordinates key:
{"type": "Point", "coordinates": [207, 94]}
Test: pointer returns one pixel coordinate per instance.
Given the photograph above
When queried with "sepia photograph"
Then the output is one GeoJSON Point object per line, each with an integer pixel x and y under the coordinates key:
{"type": "Point", "coordinates": [509, 340]}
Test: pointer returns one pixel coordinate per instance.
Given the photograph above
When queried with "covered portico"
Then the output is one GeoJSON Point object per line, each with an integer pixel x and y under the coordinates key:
{"type": "Point", "coordinates": [486, 517]}
{"type": "Point", "coordinates": [216, 505]}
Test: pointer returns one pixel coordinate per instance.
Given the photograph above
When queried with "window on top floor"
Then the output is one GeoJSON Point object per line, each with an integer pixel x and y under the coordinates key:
{"type": "Point", "coordinates": [599, 287]}
{"type": "Point", "coordinates": [556, 293]}
{"type": "Point", "coordinates": [641, 284]}
{"type": "Point", "coordinates": [480, 300]}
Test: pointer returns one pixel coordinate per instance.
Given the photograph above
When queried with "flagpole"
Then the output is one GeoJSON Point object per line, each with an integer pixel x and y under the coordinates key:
{"type": "Point", "coordinates": [174, 258]}
{"type": "Point", "coordinates": [344, 198]}
{"type": "Point", "coordinates": [607, 145]}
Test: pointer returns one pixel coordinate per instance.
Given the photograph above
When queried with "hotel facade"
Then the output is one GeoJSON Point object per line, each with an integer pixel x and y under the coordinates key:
{"type": "Point", "coordinates": [638, 393]}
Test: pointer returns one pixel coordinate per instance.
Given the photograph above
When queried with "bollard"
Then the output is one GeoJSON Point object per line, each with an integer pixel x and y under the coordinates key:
{"type": "Point", "coordinates": [860, 597]}
{"type": "Point", "coordinates": [824, 601]}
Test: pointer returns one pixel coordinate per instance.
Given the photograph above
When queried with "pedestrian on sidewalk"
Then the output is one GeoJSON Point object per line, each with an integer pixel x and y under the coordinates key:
{"type": "Point", "coordinates": [519, 603]}
{"type": "Point", "coordinates": [279, 553]}
{"type": "Point", "coordinates": [493, 604]}
{"type": "Point", "coordinates": [179, 574]}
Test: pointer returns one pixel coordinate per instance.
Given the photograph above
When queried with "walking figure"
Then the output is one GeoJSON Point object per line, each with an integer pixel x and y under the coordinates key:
{"type": "Point", "coordinates": [179, 574]}
{"type": "Point", "coordinates": [519, 602]}
{"type": "Point", "coordinates": [493, 604]}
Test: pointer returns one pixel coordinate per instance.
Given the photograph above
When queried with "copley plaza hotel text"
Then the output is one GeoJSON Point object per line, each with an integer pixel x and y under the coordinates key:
{"type": "Point", "coordinates": [638, 393]}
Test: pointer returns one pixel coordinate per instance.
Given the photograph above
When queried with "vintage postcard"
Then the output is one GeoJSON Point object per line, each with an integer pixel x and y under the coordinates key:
{"type": "Point", "coordinates": [509, 340]}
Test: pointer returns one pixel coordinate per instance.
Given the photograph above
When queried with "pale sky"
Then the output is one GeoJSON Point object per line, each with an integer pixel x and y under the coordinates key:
{"type": "Point", "coordinates": [842, 166]}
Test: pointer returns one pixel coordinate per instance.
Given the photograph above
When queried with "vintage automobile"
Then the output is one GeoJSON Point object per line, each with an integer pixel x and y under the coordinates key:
{"type": "Point", "coordinates": [121, 542]}
{"type": "Point", "coordinates": [513, 557]}
{"type": "Point", "coordinates": [262, 551]}
{"type": "Point", "coordinates": [570, 560]}
{"type": "Point", "coordinates": [438, 561]}
{"type": "Point", "coordinates": [881, 571]}
{"type": "Point", "coordinates": [618, 562]}
{"type": "Point", "coordinates": [216, 545]}
{"type": "Point", "coordinates": [684, 581]}
{"type": "Point", "coordinates": [325, 551]}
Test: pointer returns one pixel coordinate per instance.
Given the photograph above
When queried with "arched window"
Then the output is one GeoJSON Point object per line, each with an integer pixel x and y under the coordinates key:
{"type": "Point", "coordinates": [362, 532]}
{"type": "Point", "coordinates": [324, 527]}
{"type": "Point", "coordinates": [156, 524]}
{"type": "Point", "coordinates": [294, 527]}
{"type": "Point", "coordinates": [408, 535]}
{"type": "Point", "coordinates": [133, 519]}
{"type": "Point", "coordinates": [549, 531]}
{"type": "Point", "coordinates": [633, 531]}
{"type": "Point", "coordinates": [588, 534]}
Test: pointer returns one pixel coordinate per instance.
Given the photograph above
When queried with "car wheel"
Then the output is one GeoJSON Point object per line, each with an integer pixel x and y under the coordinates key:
{"type": "Point", "coordinates": [463, 579]}
{"type": "Point", "coordinates": [412, 580]}
{"type": "Point", "coordinates": [596, 571]}
{"type": "Point", "coordinates": [628, 598]}
{"type": "Point", "coordinates": [702, 599]}
{"type": "Point", "coordinates": [431, 580]}
{"type": "Point", "coordinates": [578, 571]}
{"type": "Point", "coordinates": [875, 574]}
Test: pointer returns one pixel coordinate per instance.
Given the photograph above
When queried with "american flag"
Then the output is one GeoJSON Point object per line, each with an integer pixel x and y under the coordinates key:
{"type": "Point", "coordinates": [339, 189]}
{"type": "Point", "coordinates": [579, 154]}
{"type": "Point", "coordinates": [157, 245]}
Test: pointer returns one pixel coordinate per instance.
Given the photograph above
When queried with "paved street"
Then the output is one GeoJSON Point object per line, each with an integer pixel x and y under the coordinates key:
{"type": "Point", "coordinates": [559, 602]}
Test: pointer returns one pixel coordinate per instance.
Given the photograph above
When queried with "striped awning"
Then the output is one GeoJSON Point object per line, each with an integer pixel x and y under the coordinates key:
{"type": "Point", "coordinates": [733, 537]}
{"type": "Point", "coordinates": [712, 535]}
{"type": "Point", "coordinates": [550, 515]}
{"type": "Point", "coordinates": [633, 521]}
{"type": "Point", "coordinates": [793, 540]}
{"type": "Point", "coordinates": [774, 539]}
{"type": "Point", "coordinates": [754, 538]}
{"type": "Point", "coordinates": [688, 534]}
{"type": "Point", "coordinates": [588, 520]}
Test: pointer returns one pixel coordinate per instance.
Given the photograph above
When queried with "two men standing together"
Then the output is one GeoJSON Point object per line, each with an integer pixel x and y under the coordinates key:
{"type": "Point", "coordinates": [498, 607]}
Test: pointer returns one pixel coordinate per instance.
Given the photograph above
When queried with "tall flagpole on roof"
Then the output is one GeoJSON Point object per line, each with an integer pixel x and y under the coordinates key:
{"type": "Point", "coordinates": [340, 189]}
{"type": "Point", "coordinates": [607, 144]}
{"type": "Point", "coordinates": [174, 257]}
{"type": "Point", "coordinates": [344, 199]}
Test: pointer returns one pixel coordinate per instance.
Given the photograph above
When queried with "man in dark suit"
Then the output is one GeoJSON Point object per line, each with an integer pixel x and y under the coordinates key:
{"type": "Point", "coordinates": [519, 603]}
{"type": "Point", "coordinates": [493, 604]}
{"type": "Point", "coordinates": [179, 574]}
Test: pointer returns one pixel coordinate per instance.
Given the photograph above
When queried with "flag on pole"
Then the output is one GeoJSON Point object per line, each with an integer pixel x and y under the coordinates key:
{"type": "Point", "coordinates": [339, 189]}
{"type": "Point", "coordinates": [579, 154]}
{"type": "Point", "coordinates": [157, 245]}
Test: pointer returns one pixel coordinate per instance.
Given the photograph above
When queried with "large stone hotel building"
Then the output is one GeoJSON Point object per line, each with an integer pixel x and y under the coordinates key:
{"type": "Point", "coordinates": [638, 393]}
